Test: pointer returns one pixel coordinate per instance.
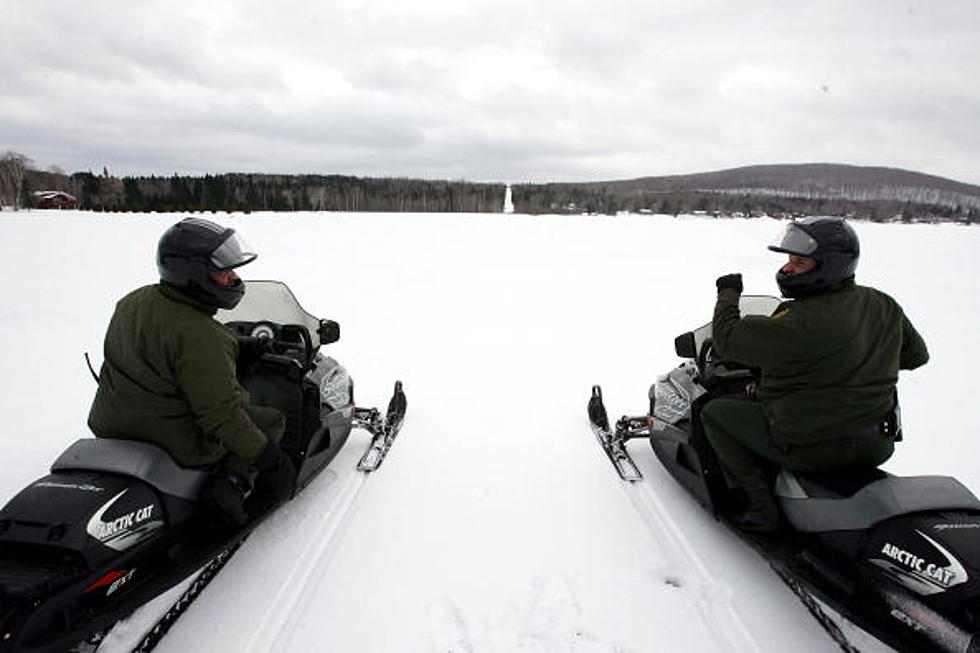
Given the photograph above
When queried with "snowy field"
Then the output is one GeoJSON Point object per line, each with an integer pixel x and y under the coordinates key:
{"type": "Point", "coordinates": [496, 524]}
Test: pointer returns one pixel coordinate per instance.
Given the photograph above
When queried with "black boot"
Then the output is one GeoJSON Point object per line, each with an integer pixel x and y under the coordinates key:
{"type": "Point", "coordinates": [760, 514]}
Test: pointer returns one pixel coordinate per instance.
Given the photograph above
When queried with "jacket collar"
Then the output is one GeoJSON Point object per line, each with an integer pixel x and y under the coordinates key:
{"type": "Point", "coordinates": [174, 293]}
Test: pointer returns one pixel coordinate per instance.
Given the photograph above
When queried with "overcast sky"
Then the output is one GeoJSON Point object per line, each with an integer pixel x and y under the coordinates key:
{"type": "Point", "coordinates": [495, 90]}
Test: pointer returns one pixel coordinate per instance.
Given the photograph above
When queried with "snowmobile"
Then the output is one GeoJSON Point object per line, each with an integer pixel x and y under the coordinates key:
{"type": "Point", "coordinates": [898, 557]}
{"type": "Point", "coordinates": [118, 522]}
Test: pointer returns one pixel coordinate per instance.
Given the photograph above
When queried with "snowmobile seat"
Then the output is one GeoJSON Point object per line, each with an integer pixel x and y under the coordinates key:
{"type": "Point", "coordinates": [839, 483]}
{"type": "Point", "coordinates": [143, 460]}
{"type": "Point", "coordinates": [882, 498]}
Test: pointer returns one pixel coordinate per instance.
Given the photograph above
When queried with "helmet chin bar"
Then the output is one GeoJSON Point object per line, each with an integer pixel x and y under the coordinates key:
{"type": "Point", "coordinates": [215, 295]}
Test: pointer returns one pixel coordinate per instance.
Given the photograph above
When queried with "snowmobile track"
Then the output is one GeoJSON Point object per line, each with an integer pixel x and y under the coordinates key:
{"type": "Point", "coordinates": [712, 598]}
{"type": "Point", "coordinates": [297, 587]}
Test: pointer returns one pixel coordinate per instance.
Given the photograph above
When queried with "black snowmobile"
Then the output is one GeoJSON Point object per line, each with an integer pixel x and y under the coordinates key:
{"type": "Point", "coordinates": [117, 522]}
{"type": "Point", "coordinates": [897, 556]}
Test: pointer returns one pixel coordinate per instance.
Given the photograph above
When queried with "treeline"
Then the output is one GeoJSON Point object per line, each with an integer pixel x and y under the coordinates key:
{"type": "Point", "coordinates": [264, 192]}
{"type": "Point", "coordinates": [781, 190]}
{"type": "Point", "coordinates": [596, 199]}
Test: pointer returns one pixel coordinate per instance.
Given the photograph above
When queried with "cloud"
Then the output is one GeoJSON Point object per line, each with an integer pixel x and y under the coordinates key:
{"type": "Point", "coordinates": [503, 90]}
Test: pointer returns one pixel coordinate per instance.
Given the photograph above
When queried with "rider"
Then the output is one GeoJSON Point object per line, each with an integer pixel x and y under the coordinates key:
{"type": "Point", "coordinates": [169, 372]}
{"type": "Point", "coordinates": [828, 362]}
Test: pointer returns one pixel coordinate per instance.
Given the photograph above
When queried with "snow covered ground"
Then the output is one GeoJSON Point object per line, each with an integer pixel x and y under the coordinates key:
{"type": "Point", "coordinates": [496, 524]}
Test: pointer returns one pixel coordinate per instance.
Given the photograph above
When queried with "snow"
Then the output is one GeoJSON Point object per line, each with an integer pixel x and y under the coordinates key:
{"type": "Point", "coordinates": [496, 523]}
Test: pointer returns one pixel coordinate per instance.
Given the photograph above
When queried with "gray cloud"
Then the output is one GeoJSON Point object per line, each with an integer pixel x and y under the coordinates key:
{"type": "Point", "coordinates": [503, 90]}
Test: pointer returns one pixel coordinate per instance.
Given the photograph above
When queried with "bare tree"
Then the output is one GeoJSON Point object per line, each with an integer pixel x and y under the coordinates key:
{"type": "Point", "coordinates": [13, 166]}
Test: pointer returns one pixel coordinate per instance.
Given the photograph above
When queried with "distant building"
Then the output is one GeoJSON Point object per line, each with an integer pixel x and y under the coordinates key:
{"type": "Point", "coordinates": [54, 199]}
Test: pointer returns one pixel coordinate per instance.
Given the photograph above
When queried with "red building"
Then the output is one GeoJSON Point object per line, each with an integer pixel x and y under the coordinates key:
{"type": "Point", "coordinates": [54, 199]}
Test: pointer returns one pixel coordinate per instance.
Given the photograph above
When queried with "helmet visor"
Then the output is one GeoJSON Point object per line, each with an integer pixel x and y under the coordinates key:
{"type": "Point", "coordinates": [794, 240]}
{"type": "Point", "coordinates": [232, 253]}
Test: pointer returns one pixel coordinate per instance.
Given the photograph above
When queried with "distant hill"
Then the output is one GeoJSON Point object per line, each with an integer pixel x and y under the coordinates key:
{"type": "Point", "coordinates": [788, 188]}
{"type": "Point", "coordinates": [829, 180]}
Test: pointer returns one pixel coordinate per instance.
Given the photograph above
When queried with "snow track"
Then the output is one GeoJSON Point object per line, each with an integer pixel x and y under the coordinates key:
{"type": "Point", "coordinates": [297, 587]}
{"type": "Point", "coordinates": [713, 599]}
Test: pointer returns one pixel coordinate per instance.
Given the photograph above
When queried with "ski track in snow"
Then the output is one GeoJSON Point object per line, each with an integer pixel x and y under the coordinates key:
{"type": "Point", "coordinates": [293, 596]}
{"type": "Point", "coordinates": [713, 599]}
{"type": "Point", "coordinates": [273, 632]}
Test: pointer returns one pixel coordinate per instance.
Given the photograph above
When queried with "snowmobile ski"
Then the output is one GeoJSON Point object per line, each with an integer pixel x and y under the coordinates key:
{"type": "Point", "coordinates": [382, 429]}
{"type": "Point", "coordinates": [613, 442]}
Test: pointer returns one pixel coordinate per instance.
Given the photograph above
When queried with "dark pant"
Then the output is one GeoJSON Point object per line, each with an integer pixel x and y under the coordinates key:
{"type": "Point", "coordinates": [739, 433]}
{"type": "Point", "coordinates": [272, 423]}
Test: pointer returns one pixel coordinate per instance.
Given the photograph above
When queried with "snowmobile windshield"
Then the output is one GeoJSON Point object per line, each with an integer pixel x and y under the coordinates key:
{"type": "Point", "coordinates": [764, 305]}
{"type": "Point", "coordinates": [271, 301]}
{"type": "Point", "coordinates": [794, 240]}
{"type": "Point", "coordinates": [233, 252]}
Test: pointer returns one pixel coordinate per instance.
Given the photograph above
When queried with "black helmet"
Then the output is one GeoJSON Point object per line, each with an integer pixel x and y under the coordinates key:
{"type": "Point", "coordinates": [831, 242]}
{"type": "Point", "coordinates": [191, 250]}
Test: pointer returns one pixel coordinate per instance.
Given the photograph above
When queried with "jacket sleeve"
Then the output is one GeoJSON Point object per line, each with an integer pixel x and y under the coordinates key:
{"type": "Point", "coordinates": [205, 369]}
{"type": "Point", "coordinates": [755, 340]}
{"type": "Point", "coordinates": [914, 353]}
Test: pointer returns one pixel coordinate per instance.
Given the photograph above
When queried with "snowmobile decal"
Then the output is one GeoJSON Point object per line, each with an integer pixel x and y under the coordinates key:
{"type": "Point", "coordinates": [125, 531]}
{"type": "Point", "coordinates": [114, 580]}
{"type": "Point", "coordinates": [70, 486]}
{"type": "Point", "coordinates": [917, 574]}
{"type": "Point", "coordinates": [946, 527]}
{"type": "Point", "coordinates": [907, 620]}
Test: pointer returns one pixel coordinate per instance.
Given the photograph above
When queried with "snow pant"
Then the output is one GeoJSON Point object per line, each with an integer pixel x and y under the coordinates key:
{"type": "Point", "coordinates": [272, 423]}
{"type": "Point", "coordinates": [739, 433]}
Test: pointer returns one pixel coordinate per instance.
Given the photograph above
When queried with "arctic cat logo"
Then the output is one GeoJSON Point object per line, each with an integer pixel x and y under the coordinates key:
{"type": "Point", "coordinates": [107, 529]}
{"type": "Point", "coordinates": [918, 574]}
{"type": "Point", "coordinates": [941, 574]}
{"type": "Point", "coordinates": [124, 531]}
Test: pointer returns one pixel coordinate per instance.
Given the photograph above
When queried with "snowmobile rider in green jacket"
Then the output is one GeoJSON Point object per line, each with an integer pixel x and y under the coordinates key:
{"type": "Point", "coordinates": [828, 361]}
{"type": "Point", "coordinates": [169, 372]}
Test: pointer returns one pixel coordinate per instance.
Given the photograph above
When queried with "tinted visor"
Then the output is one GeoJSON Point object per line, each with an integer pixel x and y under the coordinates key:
{"type": "Point", "coordinates": [232, 253]}
{"type": "Point", "coordinates": [794, 240]}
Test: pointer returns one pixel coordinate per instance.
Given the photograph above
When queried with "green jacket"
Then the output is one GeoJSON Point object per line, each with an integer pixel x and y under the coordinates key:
{"type": "Point", "coordinates": [169, 378]}
{"type": "Point", "coordinates": [829, 362]}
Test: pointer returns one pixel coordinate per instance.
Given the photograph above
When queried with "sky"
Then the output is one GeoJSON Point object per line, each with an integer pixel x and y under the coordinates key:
{"type": "Point", "coordinates": [490, 90]}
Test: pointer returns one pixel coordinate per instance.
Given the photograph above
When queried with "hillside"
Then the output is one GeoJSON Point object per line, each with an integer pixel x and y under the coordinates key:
{"type": "Point", "coordinates": [871, 192]}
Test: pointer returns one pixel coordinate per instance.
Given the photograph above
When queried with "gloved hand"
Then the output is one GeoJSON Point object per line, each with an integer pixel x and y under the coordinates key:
{"type": "Point", "coordinates": [224, 494]}
{"type": "Point", "coordinates": [250, 349]}
{"type": "Point", "coordinates": [277, 475]}
{"type": "Point", "coordinates": [733, 281]}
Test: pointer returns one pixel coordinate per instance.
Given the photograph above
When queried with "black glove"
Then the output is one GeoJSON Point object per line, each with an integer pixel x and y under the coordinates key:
{"type": "Point", "coordinates": [224, 494]}
{"type": "Point", "coordinates": [250, 349]}
{"type": "Point", "coordinates": [277, 475]}
{"type": "Point", "coordinates": [733, 281]}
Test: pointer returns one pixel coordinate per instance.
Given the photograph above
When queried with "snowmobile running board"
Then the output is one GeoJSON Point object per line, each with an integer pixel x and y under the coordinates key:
{"type": "Point", "coordinates": [613, 442]}
{"type": "Point", "coordinates": [383, 430]}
